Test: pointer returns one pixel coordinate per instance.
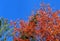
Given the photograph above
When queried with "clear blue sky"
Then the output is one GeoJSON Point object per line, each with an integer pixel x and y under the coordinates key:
{"type": "Point", "coordinates": [13, 9]}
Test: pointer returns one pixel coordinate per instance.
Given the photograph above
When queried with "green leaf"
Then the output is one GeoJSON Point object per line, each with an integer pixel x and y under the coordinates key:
{"type": "Point", "coordinates": [33, 39]}
{"type": "Point", "coordinates": [0, 22]}
{"type": "Point", "coordinates": [24, 37]}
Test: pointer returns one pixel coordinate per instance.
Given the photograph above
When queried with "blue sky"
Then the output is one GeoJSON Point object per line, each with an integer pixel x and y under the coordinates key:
{"type": "Point", "coordinates": [13, 9]}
